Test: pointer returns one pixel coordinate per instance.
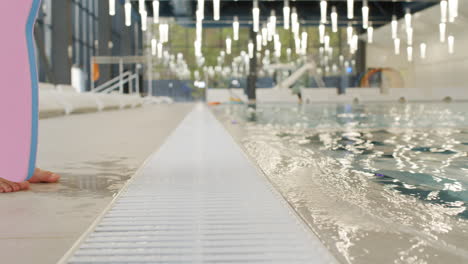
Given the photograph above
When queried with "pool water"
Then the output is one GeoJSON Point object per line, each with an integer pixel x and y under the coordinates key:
{"type": "Point", "coordinates": [378, 183]}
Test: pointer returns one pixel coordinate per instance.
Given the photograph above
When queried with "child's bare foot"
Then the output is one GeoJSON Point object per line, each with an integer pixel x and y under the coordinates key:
{"type": "Point", "coordinates": [39, 176]}
{"type": "Point", "coordinates": [44, 176]}
{"type": "Point", "coordinates": [8, 186]}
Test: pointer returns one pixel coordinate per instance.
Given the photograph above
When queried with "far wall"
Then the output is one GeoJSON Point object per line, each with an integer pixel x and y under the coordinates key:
{"type": "Point", "coordinates": [440, 70]}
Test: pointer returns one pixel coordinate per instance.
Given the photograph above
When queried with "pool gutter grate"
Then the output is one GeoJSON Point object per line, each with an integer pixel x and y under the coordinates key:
{"type": "Point", "coordinates": [199, 200]}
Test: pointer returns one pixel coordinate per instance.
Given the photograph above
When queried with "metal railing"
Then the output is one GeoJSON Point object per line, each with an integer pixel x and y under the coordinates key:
{"type": "Point", "coordinates": [119, 82]}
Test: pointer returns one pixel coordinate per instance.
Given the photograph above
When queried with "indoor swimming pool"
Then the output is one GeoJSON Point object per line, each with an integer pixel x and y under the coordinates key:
{"type": "Point", "coordinates": [378, 183]}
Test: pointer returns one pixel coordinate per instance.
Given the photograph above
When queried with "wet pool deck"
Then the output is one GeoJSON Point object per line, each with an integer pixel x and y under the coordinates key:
{"type": "Point", "coordinates": [96, 154]}
{"type": "Point", "coordinates": [199, 199]}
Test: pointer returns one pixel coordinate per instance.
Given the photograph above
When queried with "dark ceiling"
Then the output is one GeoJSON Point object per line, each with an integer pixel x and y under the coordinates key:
{"type": "Point", "coordinates": [381, 11]}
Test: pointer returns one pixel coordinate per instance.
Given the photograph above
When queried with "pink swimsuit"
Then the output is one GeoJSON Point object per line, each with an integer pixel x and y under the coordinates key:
{"type": "Point", "coordinates": [18, 86]}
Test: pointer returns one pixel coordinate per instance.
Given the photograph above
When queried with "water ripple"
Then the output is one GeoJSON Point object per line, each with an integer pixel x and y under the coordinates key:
{"type": "Point", "coordinates": [385, 181]}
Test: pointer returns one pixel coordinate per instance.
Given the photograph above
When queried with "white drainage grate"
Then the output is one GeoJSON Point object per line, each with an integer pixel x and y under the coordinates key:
{"type": "Point", "coordinates": [199, 200]}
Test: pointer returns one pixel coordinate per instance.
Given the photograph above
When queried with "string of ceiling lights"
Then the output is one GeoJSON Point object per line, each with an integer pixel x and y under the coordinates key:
{"type": "Point", "coordinates": [267, 32]}
{"type": "Point", "coordinates": [156, 46]}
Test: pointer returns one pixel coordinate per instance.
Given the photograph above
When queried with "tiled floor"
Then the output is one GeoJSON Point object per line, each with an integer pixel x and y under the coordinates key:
{"type": "Point", "coordinates": [95, 154]}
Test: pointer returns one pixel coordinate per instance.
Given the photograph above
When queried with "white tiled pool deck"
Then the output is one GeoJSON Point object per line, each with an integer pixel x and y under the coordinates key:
{"type": "Point", "coordinates": [95, 154]}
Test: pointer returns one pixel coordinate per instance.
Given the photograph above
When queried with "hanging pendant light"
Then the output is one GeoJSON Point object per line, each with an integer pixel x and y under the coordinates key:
{"type": "Point", "coordinates": [443, 11]}
{"type": "Point", "coordinates": [396, 43]}
{"type": "Point", "coordinates": [350, 4]}
{"type": "Point", "coordinates": [442, 31]}
{"type": "Point", "coordinates": [160, 50]}
{"type": "Point", "coordinates": [326, 42]}
{"type": "Point", "coordinates": [228, 45]}
{"type": "Point", "coordinates": [365, 14]}
{"type": "Point", "coordinates": [453, 10]}
{"type": "Point", "coordinates": [394, 27]}
{"type": "Point", "coordinates": [288, 53]}
{"type": "Point", "coordinates": [256, 16]}
{"type": "Point", "coordinates": [294, 18]}
{"type": "Point", "coordinates": [349, 33]}
{"type": "Point", "coordinates": [141, 6]}
{"type": "Point", "coordinates": [273, 22]}
{"type": "Point", "coordinates": [451, 44]}
{"type": "Point", "coordinates": [354, 44]}
{"type": "Point", "coordinates": [250, 47]}
{"type": "Point", "coordinates": [278, 50]}
{"type": "Point", "coordinates": [144, 20]}
{"type": "Point", "coordinates": [201, 9]}
{"type": "Point", "coordinates": [235, 28]}
{"type": "Point", "coordinates": [155, 11]}
{"type": "Point", "coordinates": [408, 18]}
{"type": "Point", "coordinates": [409, 36]}
{"type": "Point", "coordinates": [295, 28]}
{"type": "Point", "coordinates": [370, 34]}
{"type": "Point", "coordinates": [216, 10]}
{"type": "Point", "coordinates": [334, 19]}
{"type": "Point", "coordinates": [323, 11]}
{"type": "Point", "coordinates": [276, 41]}
{"type": "Point", "coordinates": [297, 45]}
{"type": "Point", "coordinates": [163, 33]}
{"type": "Point", "coordinates": [410, 53]}
{"type": "Point", "coordinates": [128, 13]}
{"type": "Point", "coordinates": [112, 7]}
{"type": "Point", "coordinates": [286, 14]}
{"type": "Point", "coordinates": [259, 42]}
{"type": "Point", "coordinates": [422, 50]}
{"type": "Point", "coordinates": [304, 43]}
{"type": "Point", "coordinates": [264, 36]}
{"type": "Point", "coordinates": [321, 33]}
